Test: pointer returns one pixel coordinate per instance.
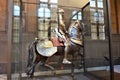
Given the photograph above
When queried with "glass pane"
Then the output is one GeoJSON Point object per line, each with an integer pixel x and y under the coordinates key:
{"type": "Point", "coordinates": [47, 13]}
{"type": "Point", "coordinates": [41, 25]}
{"type": "Point", "coordinates": [101, 28]}
{"type": "Point", "coordinates": [42, 34]}
{"type": "Point", "coordinates": [92, 3]}
{"type": "Point", "coordinates": [79, 16]}
{"type": "Point", "coordinates": [43, 5]}
{"type": "Point", "coordinates": [93, 28]}
{"type": "Point", "coordinates": [93, 32]}
{"type": "Point", "coordinates": [16, 10]}
{"type": "Point", "coordinates": [41, 12]}
{"type": "Point", "coordinates": [53, 14]}
{"type": "Point", "coordinates": [102, 36]}
{"type": "Point", "coordinates": [102, 32]}
{"type": "Point", "coordinates": [101, 16]}
{"type": "Point", "coordinates": [94, 36]}
{"type": "Point", "coordinates": [16, 30]}
{"type": "Point", "coordinates": [53, 26]}
{"type": "Point", "coordinates": [92, 15]}
{"type": "Point", "coordinates": [100, 3]}
{"type": "Point", "coordinates": [95, 49]}
{"type": "Point", "coordinates": [75, 16]}
{"type": "Point", "coordinates": [46, 25]}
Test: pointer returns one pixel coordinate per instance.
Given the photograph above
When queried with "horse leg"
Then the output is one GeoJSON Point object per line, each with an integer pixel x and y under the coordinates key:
{"type": "Point", "coordinates": [47, 65]}
{"type": "Point", "coordinates": [31, 69]}
{"type": "Point", "coordinates": [44, 63]}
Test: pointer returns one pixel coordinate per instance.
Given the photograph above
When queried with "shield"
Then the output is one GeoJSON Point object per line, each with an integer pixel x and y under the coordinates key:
{"type": "Point", "coordinates": [46, 48]}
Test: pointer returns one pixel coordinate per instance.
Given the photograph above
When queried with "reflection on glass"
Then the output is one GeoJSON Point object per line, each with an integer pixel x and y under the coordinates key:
{"type": "Point", "coordinates": [100, 3]}
{"type": "Point", "coordinates": [96, 16]}
{"type": "Point", "coordinates": [101, 13]}
{"type": "Point", "coordinates": [92, 3]}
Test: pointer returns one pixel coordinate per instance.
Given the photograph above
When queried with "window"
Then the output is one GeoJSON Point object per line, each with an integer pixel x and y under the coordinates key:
{"type": "Point", "coordinates": [92, 3]}
{"type": "Point", "coordinates": [53, 1]}
{"type": "Point", "coordinates": [16, 10]}
{"type": "Point", "coordinates": [16, 23]}
{"type": "Point", "coordinates": [100, 3]}
{"type": "Point", "coordinates": [43, 21]}
{"type": "Point", "coordinates": [77, 16]}
{"type": "Point", "coordinates": [47, 17]}
{"type": "Point", "coordinates": [44, 12]}
{"type": "Point", "coordinates": [97, 20]}
{"type": "Point", "coordinates": [43, 0]}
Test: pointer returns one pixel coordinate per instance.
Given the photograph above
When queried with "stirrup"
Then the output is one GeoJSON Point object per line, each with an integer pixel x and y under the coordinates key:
{"type": "Point", "coordinates": [65, 61]}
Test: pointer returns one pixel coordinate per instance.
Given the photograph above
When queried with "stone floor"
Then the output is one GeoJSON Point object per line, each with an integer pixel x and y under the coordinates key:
{"type": "Point", "coordinates": [3, 77]}
{"type": "Point", "coordinates": [63, 77]}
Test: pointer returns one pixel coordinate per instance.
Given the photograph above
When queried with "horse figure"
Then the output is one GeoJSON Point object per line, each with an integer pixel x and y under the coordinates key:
{"type": "Point", "coordinates": [44, 48]}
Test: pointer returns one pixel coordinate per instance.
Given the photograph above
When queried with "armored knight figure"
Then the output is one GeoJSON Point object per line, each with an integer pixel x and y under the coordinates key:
{"type": "Point", "coordinates": [75, 33]}
{"type": "Point", "coordinates": [61, 32]}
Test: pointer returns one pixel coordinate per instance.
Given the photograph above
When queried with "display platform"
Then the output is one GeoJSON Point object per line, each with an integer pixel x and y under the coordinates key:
{"type": "Point", "coordinates": [64, 77]}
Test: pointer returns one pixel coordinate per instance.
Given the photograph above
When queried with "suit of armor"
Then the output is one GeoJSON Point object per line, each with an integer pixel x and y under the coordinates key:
{"type": "Point", "coordinates": [61, 31]}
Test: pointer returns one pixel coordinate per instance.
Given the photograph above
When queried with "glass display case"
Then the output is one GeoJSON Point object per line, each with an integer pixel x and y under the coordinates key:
{"type": "Point", "coordinates": [37, 19]}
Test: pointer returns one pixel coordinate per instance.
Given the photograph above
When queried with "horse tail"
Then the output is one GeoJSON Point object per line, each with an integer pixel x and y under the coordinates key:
{"type": "Point", "coordinates": [31, 54]}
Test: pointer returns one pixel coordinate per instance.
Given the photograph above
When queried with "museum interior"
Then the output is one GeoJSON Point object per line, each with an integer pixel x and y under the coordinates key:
{"type": "Point", "coordinates": [34, 45]}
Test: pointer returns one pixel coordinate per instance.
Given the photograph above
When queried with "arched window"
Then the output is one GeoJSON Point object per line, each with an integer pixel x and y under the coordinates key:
{"type": "Point", "coordinates": [47, 17]}
{"type": "Point", "coordinates": [16, 24]}
{"type": "Point", "coordinates": [16, 10]}
{"type": "Point", "coordinates": [44, 12]}
{"type": "Point", "coordinates": [47, 13]}
{"type": "Point", "coordinates": [43, 0]}
{"type": "Point", "coordinates": [44, 15]}
{"type": "Point", "coordinates": [41, 12]}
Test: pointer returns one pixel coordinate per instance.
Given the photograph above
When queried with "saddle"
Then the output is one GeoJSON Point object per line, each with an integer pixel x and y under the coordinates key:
{"type": "Point", "coordinates": [48, 48]}
{"type": "Point", "coordinates": [57, 42]}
